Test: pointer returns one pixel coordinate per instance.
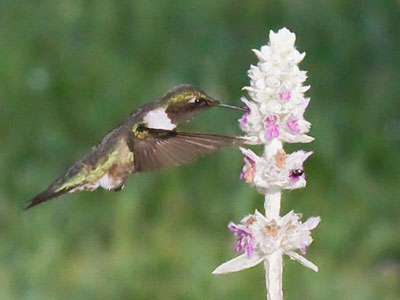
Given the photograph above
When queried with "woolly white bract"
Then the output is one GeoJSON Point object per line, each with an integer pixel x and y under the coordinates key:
{"type": "Point", "coordinates": [274, 116]}
{"type": "Point", "coordinates": [276, 88]}
{"type": "Point", "coordinates": [258, 237]}
{"type": "Point", "coordinates": [281, 171]}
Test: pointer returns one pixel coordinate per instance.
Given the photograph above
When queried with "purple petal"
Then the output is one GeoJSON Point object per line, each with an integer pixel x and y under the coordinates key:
{"type": "Point", "coordinates": [243, 120]}
{"type": "Point", "coordinates": [246, 103]}
{"type": "Point", "coordinates": [244, 239]}
{"type": "Point", "coordinates": [271, 132]}
{"type": "Point", "coordinates": [285, 95]}
{"type": "Point", "coordinates": [250, 160]}
{"type": "Point", "coordinates": [293, 125]}
{"type": "Point", "coordinates": [271, 128]}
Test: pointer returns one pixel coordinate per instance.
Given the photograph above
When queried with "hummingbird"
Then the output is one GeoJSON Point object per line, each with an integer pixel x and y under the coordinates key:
{"type": "Point", "coordinates": [146, 140]}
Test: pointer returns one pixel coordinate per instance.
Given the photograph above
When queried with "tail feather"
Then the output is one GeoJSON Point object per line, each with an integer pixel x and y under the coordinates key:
{"type": "Point", "coordinates": [45, 196]}
{"type": "Point", "coordinates": [58, 186]}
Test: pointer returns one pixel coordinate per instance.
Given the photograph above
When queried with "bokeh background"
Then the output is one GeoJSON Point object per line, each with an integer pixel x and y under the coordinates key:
{"type": "Point", "coordinates": [71, 70]}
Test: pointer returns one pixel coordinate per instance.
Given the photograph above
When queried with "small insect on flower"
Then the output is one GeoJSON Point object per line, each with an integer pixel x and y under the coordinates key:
{"type": "Point", "coordinates": [274, 116]}
{"type": "Point", "coordinates": [283, 171]}
{"type": "Point", "coordinates": [295, 174]}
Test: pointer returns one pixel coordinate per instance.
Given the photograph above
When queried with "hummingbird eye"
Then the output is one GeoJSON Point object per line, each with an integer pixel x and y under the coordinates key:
{"type": "Point", "coordinates": [196, 100]}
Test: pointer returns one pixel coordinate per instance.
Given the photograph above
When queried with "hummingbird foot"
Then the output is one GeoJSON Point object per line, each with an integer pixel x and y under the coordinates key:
{"type": "Point", "coordinates": [118, 189]}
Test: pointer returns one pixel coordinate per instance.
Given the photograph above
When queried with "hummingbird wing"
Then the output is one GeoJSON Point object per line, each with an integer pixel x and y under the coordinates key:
{"type": "Point", "coordinates": [156, 148]}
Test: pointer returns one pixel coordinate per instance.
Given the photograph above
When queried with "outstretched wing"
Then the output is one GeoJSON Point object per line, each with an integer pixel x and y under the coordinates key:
{"type": "Point", "coordinates": [156, 148]}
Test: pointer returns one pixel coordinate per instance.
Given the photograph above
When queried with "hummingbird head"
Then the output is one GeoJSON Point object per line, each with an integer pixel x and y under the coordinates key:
{"type": "Point", "coordinates": [184, 102]}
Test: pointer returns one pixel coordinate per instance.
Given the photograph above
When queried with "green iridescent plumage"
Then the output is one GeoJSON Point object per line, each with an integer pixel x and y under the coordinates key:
{"type": "Point", "coordinates": [145, 141]}
{"type": "Point", "coordinates": [89, 176]}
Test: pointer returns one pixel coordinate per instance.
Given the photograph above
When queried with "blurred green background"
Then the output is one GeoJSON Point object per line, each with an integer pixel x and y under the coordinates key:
{"type": "Point", "coordinates": [71, 70]}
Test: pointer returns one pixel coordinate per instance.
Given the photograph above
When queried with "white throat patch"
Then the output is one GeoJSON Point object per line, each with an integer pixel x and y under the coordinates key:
{"type": "Point", "coordinates": [158, 119]}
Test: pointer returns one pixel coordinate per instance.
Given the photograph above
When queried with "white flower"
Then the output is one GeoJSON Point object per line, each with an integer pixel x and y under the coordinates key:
{"type": "Point", "coordinates": [258, 237]}
{"type": "Point", "coordinates": [251, 121]}
{"type": "Point", "coordinates": [276, 86]}
{"type": "Point", "coordinates": [275, 115]}
{"type": "Point", "coordinates": [280, 171]}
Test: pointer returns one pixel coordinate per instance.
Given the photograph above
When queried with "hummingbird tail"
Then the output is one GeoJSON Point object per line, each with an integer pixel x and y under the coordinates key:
{"type": "Point", "coordinates": [64, 184]}
{"type": "Point", "coordinates": [45, 196]}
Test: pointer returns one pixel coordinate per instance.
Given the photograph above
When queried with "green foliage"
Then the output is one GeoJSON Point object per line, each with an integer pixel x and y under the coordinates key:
{"type": "Point", "coordinates": [71, 70]}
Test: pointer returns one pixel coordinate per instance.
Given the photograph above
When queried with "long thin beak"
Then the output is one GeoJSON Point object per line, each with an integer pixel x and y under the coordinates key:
{"type": "Point", "coordinates": [231, 106]}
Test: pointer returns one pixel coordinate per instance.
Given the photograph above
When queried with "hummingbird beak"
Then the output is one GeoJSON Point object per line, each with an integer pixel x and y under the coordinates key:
{"type": "Point", "coordinates": [215, 102]}
{"type": "Point", "coordinates": [231, 106]}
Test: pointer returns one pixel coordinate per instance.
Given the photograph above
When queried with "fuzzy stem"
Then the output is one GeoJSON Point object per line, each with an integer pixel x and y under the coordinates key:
{"type": "Point", "coordinates": [272, 204]}
{"type": "Point", "coordinates": [273, 264]}
{"type": "Point", "coordinates": [273, 276]}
